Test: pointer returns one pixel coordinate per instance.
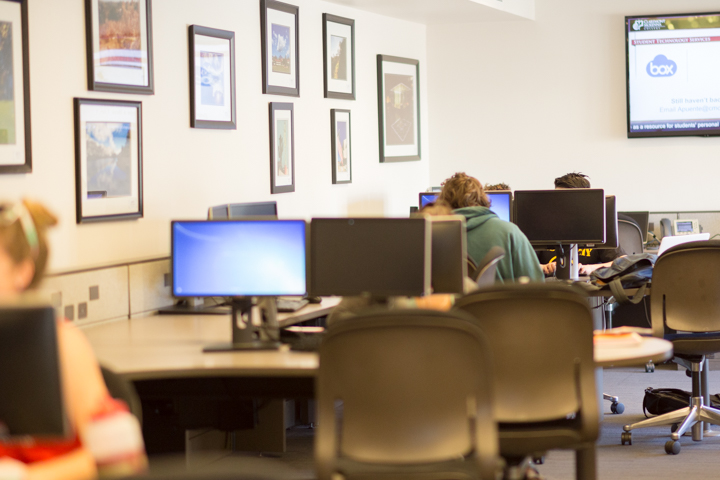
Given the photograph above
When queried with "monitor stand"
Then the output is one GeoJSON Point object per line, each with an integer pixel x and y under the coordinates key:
{"type": "Point", "coordinates": [247, 334]}
{"type": "Point", "coordinates": [567, 267]}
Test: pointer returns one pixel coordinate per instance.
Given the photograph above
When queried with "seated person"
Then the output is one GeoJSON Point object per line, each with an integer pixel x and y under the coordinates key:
{"type": "Point", "coordinates": [589, 259]}
{"type": "Point", "coordinates": [496, 186]}
{"type": "Point", "coordinates": [23, 257]}
{"type": "Point", "coordinates": [465, 195]}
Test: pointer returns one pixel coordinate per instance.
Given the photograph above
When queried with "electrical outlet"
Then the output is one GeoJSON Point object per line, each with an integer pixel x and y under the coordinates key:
{"type": "Point", "coordinates": [69, 312]}
{"type": "Point", "coordinates": [94, 292]}
{"type": "Point", "coordinates": [166, 279]}
{"type": "Point", "coordinates": [82, 310]}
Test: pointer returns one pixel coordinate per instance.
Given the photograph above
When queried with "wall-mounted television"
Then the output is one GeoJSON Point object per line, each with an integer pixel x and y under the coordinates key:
{"type": "Point", "coordinates": [673, 75]}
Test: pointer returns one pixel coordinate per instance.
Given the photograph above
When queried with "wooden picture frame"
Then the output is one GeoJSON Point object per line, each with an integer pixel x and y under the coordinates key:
{"type": "Point", "coordinates": [282, 148]}
{"type": "Point", "coordinates": [120, 60]}
{"type": "Point", "coordinates": [398, 108]}
{"type": "Point", "coordinates": [341, 142]}
{"type": "Point", "coordinates": [338, 57]}
{"type": "Point", "coordinates": [212, 78]}
{"type": "Point", "coordinates": [108, 160]}
{"type": "Point", "coordinates": [15, 139]}
{"type": "Point", "coordinates": [279, 27]}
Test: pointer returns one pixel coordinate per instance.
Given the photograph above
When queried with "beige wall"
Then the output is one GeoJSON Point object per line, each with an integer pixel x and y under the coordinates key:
{"type": "Point", "coordinates": [186, 170]}
{"type": "Point", "coordinates": [523, 102]}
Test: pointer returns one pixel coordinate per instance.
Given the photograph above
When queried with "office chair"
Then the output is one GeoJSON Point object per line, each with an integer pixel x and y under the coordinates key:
{"type": "Point", "coordinates": [545, 377]}
{"type": "Point", "coordinates": [630, 235]}
{"type": "Point", "coordinates": [484, 274]}
{"type": "Point", "coordinates": [122, 389]}
{"type": "Point", "coordinates": [416, 395]}
{"type": "Point", "coordinates": [686, 298]}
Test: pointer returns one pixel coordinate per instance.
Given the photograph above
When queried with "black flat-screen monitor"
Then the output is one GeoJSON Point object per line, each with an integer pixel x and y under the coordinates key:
{"type": "Point", "coordinates": [563, 216]}
{"type": "Point", "coordinates": [449, 253]}
{"type": "Point", "coordinates": [238, 258]}
{"type": "Point", "coordinates": [32, 401]}
{"type": "Point", "coordinates": [612, 240]}
{"type": "Point", "coordinates": [239, 211]}
{"type": "Point", "coordinates": [673, 74]}
{"type": "Point", "coordinates": [501, 203]}
{"type": "Point", "coordinates": [426, 198]}
{"type": "Point", "coordinates": [642, 219]}
{"type": "Point", "coordinates": [380, 257]}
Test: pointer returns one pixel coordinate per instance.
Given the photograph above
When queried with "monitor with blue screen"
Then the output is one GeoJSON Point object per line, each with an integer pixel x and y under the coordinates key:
{"type": "Point", "coordinates": [238, 258]}
{"type": "Point", "coordinates": [427, 197]}
{"type": "Point", "coordinates": [501, 203]}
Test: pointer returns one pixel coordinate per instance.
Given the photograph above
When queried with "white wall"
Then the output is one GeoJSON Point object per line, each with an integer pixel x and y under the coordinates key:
{"type": "Point", "coordinates": [186, 170]}
{"type": "Point", "coordinates": [523, 102]}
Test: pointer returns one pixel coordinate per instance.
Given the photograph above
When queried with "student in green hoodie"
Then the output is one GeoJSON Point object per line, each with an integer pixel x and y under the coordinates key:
{"type": "Point", "coordinates": [465, 195]}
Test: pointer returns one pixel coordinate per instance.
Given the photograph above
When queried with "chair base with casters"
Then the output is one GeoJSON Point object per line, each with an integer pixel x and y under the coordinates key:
{"type": "Point", "coordinates": [615, 407]}
{"type": "Point", "coordinates": [695, 416]}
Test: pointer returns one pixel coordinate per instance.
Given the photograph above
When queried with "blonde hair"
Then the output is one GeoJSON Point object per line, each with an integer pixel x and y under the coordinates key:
{"type": "Point", "coordinates": [20, 241]}
{"type": "Point", "coordinates": [462, 190]}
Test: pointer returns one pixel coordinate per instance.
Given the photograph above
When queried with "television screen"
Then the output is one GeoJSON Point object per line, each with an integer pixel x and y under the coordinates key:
{"type": "Point", "coordinates": [673, 74]}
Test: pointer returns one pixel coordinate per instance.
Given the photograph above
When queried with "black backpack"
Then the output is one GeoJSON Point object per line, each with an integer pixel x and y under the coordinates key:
{"type": "Point", "coordinates": [631, 271]}
{"type": "Point", "coordinates": [658, 401]}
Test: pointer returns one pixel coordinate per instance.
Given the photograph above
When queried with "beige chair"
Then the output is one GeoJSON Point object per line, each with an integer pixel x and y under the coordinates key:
{"type": "Point", "coordinates": [405, 394]}
{"type": "Point", "coordinates": [545, 377]}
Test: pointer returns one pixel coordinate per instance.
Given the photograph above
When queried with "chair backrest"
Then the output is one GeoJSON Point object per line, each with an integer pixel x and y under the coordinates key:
{"type": "Point", "coordinates": [484, 274]}
{"type": "Point", "coordinates": [630, 236]}
{"type": "Point", "coordinates": [415, 387]}
{"type": "Point", "coordinates": [686, 288]}
{"type": "Point", "coordinates": [542, 340]}
{"type": "Point", "coordinates": [122, 389]}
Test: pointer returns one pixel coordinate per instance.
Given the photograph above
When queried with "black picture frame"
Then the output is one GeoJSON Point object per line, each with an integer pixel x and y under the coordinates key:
{"type": "Point", "coordinates": [341, 148]}
{"type": "Point", "coordinates": [282, 179]}
{"type": "Point", "coordinates": [338, 87]}
{"type": "Point", "coordinates": [211, 102]}
{"type": "Point", "coordinates": [273, 80]}
{"type": "Point", "coordinates": [15, 138]}
{"type": "Point", "coordinates": [99, 195]}
{"type": "Point", "coordinates": [106, 74]}
{"type": "Point", "coordinates": [394, 147]}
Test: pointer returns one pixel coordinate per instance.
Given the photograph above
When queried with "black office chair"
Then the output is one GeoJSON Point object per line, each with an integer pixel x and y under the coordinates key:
{"type": "Point", "coordinates": [484, 274]}
{"type": "Point", "coordinates": [416, 393]}
{"type": "Point", "coordinates": [686, 298]}
{"type": "Point", "coordinates": [545, 377]}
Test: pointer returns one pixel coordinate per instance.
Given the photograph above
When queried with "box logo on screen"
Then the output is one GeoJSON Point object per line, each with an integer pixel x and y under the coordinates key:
{"type": "Point", "coordinates": [655, 24]}
{"type": "Point", "coordinates": [661, 66]}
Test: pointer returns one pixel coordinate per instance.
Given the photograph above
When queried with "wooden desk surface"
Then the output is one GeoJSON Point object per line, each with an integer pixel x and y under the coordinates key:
{"type": "Point", "coordinates": [170, 346]}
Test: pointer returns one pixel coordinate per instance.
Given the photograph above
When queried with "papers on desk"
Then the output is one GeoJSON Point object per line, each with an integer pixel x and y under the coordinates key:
{"type": "Point", "coordinates": [645, 332]}
{"type": "Point", "coordinates": [610, 340]}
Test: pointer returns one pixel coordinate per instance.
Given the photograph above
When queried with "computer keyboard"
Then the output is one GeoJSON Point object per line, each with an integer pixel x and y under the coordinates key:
{"type": "Point", "coordinates": [290, 304]}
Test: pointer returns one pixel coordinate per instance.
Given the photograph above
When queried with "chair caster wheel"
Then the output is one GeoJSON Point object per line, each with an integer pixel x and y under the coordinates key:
{"type": "Point", "coordinates": [649, 367]}
{"type": "Point", "coordinates": [626, 437]}
{"type": "Point", "coordinates": [674, 427]}
{"type": "Point", "coordinates": [672, 447]}
{"type": "Point", "coordinates": [617, 407]}
{"type": "Point", "coordinates": [539, 460]}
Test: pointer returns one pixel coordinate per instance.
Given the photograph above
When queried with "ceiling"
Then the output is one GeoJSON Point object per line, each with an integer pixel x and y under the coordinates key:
{"type": "Point", "coordinates": [436, 12]}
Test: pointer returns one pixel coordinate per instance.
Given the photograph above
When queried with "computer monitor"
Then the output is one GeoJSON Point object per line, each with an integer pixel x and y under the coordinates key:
{"type": "Point", "coordinates": [243, 260]}
{"type": "Point", "coordinates": [501, 203]}
{"type": "Point", "coordinates": [449, 253]}
{"type": "Point", "coordinates": [612, 240]}
{"type": "Point", "coordinates": [379, 257]}
{"type": "Point", "coordinates": [239, 211]}
{"type": "Point", "coordinates": [642, 219]}
{"type": "Point", "coordinates": [238, 258]}
{"type": "Point", "coordinates": [32, 401]}
{"type": "Point", "coordinates": [427, 197]}
{"type": "Point", "coordinates": [563, 216]}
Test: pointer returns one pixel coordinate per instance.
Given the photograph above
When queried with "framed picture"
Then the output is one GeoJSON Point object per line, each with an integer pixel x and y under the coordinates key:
{"type": "Point", "coordinates": [119, 46]}
{"type": "Point", "coordinates": [14, 89]}
{"type": "Point", "coordinates": [341, 143]}
{"type": "Point", "coordinates": [398, 108]}
{"type": "Point", "coordinates": [108, 160]}
{"type": "Point", "coordinates": [280, 51]}
{"type": "Point", "coordinates": [212, 78]}
{"type": "Point", "coordinates": [282, 148]}
{"type": "Point", "coordinates": [339, 56]}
